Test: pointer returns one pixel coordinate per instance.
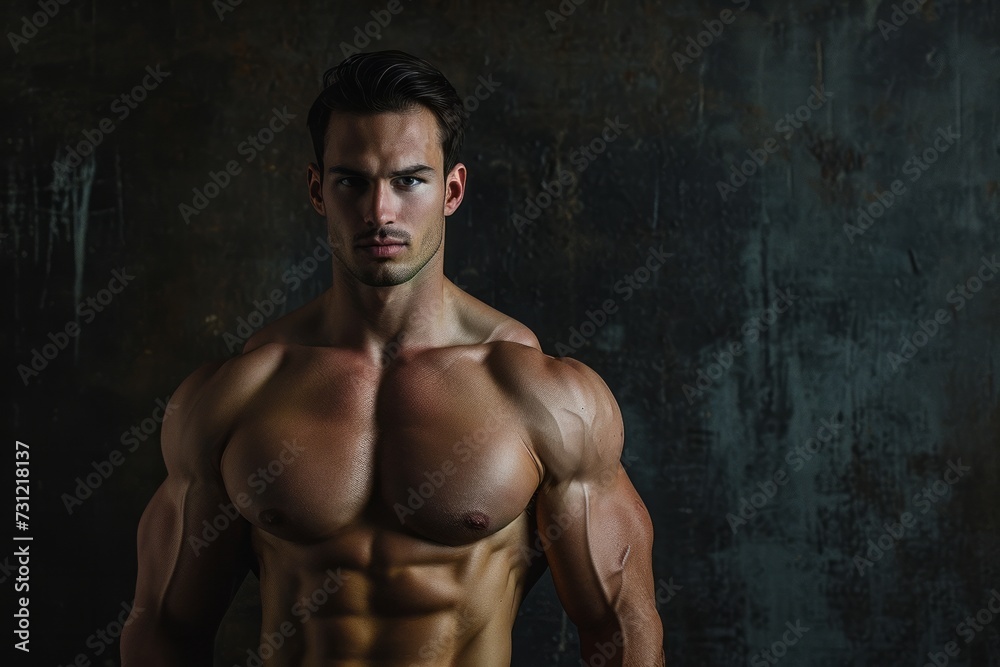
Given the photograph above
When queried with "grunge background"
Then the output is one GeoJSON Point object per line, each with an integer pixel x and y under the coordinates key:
{"type": "Point", "coordinates": [808, 380]}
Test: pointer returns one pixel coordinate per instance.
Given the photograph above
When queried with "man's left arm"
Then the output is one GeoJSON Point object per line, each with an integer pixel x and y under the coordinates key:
{"type": "Point", "coordinates": [594, 527]}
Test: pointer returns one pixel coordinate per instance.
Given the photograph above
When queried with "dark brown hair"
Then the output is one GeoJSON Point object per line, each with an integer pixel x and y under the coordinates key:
{"type": "Point", "coordinates": [389, 81]}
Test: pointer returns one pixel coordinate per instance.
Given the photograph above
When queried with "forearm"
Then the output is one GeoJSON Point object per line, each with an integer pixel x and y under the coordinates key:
{"type": "Point", "coordinates": [148, 643]}
{"type": "Point", "coordinates": [631, 638]}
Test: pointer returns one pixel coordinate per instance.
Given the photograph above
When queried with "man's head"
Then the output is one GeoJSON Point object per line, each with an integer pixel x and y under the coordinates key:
{"type": "Point", "coordinates": [387, 130]}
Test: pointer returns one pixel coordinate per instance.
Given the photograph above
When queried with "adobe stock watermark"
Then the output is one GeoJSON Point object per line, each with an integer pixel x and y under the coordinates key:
{"type": "Point", "coordinates": [581, 158]}
{"type": "Point", "coordinates": [891, 533]}
{"type": "Point", "coordinates": [915, 167]}
{"type": "Point", "coordinates": [626, 460]}
{"type": "Point", "coordinates": [967, 629]}
{"type": "Point", "coordinates": [751, 330]}
{"type": "Point", "coordinates": [796, 459]}
{"type": "Point", "coordinates": [566, 9]}
{"type": "Point", "coordinates": [901, 13]}
{"type": "Point", "coordinates": [463, 450]}
{"type": "Point", "coordinates": [606, 651]}
{"type": "Point", "coordinates": [666, 590]}
{"type": "Point", "coordinates": [223, 7]}
{"type": "Point", "coordinates": [779, 648]}
{"type": "Point", "coordinates": [372, 30]}
{"type": "Point", "coordinates": [424, 318]}
{"type": "Point", "coordinates": [59, 339]}
{"type": "Point", "coordinates": [713, 29]}
{"type": "Point", "coordinates": [557, 525]}
{"type": "Point", "coordinates": [294, 276]}
{"type": "Point", "coordinates": [103, 638]}
{"type": "Point", "coordinates": [7, 569]}
{"type": "Point", "coordinates": [482, 92]}
{"type": "Point", "coordinates": [485, 87]}
{"type": "Point", "coordinates": [103, 469]}
{"type": "Point", "coordinates": [250, 148]}
{"type": "Point", "coordinates": [438, 646]}
{"type": "Point", "coordinates": [758, 157]}
{"type": "Point", "coordinates": [303, 609]}
{"type": "Point", "coordinates": [555, 528]}
{"type": "Point", "coordinates": [259, 481]}
{"type": "Point", "coordinates": [626, 286]}
{"type": "Point", "coordinates": [929, 328]}
{"type": "Point", "coordinates": [31, 25]}
{"type": "Point", "coordinates": [121, 107]}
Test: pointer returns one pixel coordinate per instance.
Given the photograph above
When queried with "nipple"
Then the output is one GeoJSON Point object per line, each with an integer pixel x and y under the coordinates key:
{"type": "Point", "coordinates": [476, 521]}
{"type": "Point", "coordinates": [271, 517]}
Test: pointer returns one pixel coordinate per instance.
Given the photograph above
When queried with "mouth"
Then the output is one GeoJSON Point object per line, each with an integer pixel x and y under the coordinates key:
{"type": "Point", "coordinates": [387, 248]}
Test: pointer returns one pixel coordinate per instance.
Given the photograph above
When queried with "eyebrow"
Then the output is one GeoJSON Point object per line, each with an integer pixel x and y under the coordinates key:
{"type": "Point", "coordinates": [406, 171]}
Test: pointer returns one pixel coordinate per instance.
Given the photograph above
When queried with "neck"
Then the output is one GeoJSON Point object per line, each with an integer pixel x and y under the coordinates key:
{"type": "Point", "coordinates": [413, 314]}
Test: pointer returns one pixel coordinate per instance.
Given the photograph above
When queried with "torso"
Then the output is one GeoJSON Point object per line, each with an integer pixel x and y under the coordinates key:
{"type": "Point", "coordinates": [389, 504]}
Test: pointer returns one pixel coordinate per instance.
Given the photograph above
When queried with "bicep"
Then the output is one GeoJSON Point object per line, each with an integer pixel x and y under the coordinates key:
{"type": "Point", "coordinates": [598, 539]}
{"type": "Point", "coordinates": [192, 546]}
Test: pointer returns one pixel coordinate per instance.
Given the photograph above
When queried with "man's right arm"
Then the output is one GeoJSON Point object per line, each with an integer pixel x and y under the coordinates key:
{"type": "Point", "coordinates": [185, 579]}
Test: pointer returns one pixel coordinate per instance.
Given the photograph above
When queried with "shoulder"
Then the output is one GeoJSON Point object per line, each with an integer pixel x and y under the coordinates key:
{"type": "Point", "coordinates": [294, 327]}
{"type": "Point", "coordinates": [201, 412]}
{"type": "Point", "coordinates": [571, 413]}
{"type": "Point", "coordinates": [558, 378]}
{"type": "Point", "coordinates": [512, 331]}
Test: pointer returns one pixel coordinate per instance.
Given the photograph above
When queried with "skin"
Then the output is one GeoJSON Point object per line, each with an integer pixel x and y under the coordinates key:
{"type": "Point", "coordinates": [405, 459]}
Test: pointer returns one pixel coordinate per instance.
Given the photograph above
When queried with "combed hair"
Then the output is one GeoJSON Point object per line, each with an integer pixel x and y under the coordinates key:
{"type": "Point", "coordinates": [389, 81]}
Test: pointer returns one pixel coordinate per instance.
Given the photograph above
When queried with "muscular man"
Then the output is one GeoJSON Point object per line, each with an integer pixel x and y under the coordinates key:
{"type": "Point", "coordinates": [397, 461]}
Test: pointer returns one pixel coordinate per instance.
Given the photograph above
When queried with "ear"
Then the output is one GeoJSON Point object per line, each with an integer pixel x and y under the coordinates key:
{"type": "Point", "coordinates": [454, 189]}
{"type": "Point", "coordinates": [314, 181]}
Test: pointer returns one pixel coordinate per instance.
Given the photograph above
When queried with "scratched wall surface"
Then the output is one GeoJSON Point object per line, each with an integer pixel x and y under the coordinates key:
{"type": "Point", "coordinates": [779, 253]}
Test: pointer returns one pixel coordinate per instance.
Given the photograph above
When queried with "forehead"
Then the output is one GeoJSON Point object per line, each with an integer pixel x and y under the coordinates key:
{"type": "Point", "coordinates": [410, 136]}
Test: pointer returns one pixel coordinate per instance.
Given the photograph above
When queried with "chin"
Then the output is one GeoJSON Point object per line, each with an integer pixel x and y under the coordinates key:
{"type": "Point", "coordinates": [387, 276]}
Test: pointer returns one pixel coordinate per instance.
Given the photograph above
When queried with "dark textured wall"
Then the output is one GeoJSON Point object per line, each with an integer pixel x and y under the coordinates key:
{"type": "Point", "coordinates": [809, 394]}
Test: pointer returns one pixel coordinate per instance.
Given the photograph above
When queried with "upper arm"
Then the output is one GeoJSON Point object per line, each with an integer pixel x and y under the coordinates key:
{"type": "Point", "coordinates": [595, 527]}
{"type": "Point", "coordinates": [192, 544]}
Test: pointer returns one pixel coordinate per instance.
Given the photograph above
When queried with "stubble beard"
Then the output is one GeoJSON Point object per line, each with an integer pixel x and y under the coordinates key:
{"type": "Point", "coordinates": [388, 273]}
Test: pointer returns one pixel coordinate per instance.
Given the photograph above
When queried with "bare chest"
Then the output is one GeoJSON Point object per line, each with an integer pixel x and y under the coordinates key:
{"type": "Point", "coordinates": [430, 448]}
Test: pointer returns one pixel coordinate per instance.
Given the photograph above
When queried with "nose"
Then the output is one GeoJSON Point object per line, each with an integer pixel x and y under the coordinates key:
{"type": "Point", "coordinates": [380, 205]}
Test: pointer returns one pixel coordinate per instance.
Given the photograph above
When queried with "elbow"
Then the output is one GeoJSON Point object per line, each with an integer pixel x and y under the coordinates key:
{"type": "Point", "coordinates": [135, 644]}
{"type": "Point", "coordinates": [632, 638]}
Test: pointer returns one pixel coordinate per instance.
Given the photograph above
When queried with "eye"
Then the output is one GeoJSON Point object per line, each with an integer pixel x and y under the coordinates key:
{"type": "Point", "coordinates": [349, 182]}
{"type": "Point", "coordinates": [409, 181]}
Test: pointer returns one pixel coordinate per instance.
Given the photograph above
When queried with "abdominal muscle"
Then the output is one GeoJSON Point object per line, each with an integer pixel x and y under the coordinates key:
{"type": "Point", "coordinates": [372, 595]}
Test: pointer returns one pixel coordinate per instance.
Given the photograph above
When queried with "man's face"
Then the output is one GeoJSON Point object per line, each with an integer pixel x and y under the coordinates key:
{"type": "Point", "coordinates": [384, 193]}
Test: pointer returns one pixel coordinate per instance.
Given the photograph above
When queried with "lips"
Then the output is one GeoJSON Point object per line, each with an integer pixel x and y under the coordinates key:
{"type": "Point", "coordinates": [387, 248]}
{"type": "Point", "coordinates": [382, 243]}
